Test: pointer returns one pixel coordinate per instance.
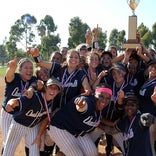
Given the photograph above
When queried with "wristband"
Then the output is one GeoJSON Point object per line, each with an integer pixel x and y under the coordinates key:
{"type": "Point", "coordinates": [38, 59]}
{"type": "Point", "coordinates": [95, 45]}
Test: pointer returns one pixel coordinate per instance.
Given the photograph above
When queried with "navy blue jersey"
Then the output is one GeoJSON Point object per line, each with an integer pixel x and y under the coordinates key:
{"type": "Point", "coordinates": [16, 88]}
{"type": "Point", "coordinates": [77, 123]}
{"type": "Point", "coordinates": [72, 84]}
{"type": "Point", "coordinates": [31, 111]}
{"type": "Point", "coordinates": [55, 71]}
{"type": "Point", "coordinates": [87, 72]}
{"type": "Point", "coordinates": [136, 80]}
{"type": "Point", "coordinates": [146, 104]}
{"type": "Point", "coordinates": [136, 137]}
{"type": "Point", "coordinates": [111, 112]}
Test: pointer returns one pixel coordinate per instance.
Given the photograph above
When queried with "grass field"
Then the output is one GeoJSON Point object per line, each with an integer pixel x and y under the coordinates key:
{"type": "Point", "coordinates": [2, 71]}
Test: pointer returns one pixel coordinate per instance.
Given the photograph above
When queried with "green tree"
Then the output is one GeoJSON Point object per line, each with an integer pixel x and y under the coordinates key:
{"type": "Point", "coordinates": [102, 38]}
{"type": "Point", "coordinates": [154, 35]}
{"type": "Point", "coordinates": [117, 38]}
{"type": "Point", "coordinates": [21, 31]}
{"type": "Point", "coordinates": [77, 31]}
{"type": "Point", "coordinates": [49, 41]}
{"type": "Point", "coordinates": [3, 54]}
{"type": "Point", "coordinates": [146, 35]}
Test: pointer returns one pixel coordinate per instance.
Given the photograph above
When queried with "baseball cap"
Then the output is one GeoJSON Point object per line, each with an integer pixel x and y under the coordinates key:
{"type": "Point", "coordinates": [118, 66]}
{"type": "Point", "coordinates": [131, 98]}
{"type": "Point", "coordinates": [52, 81]}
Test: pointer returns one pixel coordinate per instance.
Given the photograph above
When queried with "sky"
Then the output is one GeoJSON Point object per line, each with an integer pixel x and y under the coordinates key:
{"type": "Point", "coordinates": [108, 14]}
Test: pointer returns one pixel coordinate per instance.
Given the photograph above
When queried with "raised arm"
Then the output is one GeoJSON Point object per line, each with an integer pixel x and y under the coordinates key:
{"type": "Point", "coordinates": [37, 58]}
{"type": "Point", "coordinates": [10, 72]}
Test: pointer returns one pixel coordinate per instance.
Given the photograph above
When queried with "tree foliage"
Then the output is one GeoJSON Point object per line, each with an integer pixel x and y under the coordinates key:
{"type": "Point", "coordinates": [117, 38]}
{"type": "Point", "coordinates": [77, 31]}
{"type": "Point", "coordinates": [102, 38]}
{"type": "Point", "coordinates": [49, 41]}
{"type": "Point", "coordinates": [25, 31]}
{"type": "Point", "coordinates": [146, 35]}
{"type": "Point", "coordinates": [154, 35]}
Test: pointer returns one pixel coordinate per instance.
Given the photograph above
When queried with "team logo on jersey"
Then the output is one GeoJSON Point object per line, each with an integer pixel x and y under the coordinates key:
{"type": "Point", "coordinates": [16, 92]}
{"type": "Point", "coordinates": [71, 84]}
{"type": "Point", "coordinates": [134, 83]}
{"type": "Point", "coordinates": [33, 114]}
{"type": "Point", "coordinates": [142, 92]}
{"type": "Point", "coordinates": [89, 121]}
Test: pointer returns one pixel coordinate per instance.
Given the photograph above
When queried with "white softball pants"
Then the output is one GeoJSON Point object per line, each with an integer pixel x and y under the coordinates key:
{"type": "Point", "coordinates": [73, 146]}
{"type": "Point", "coordinates": [15, 134]}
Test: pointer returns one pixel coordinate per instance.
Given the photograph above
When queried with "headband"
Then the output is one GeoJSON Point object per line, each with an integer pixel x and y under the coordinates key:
{"type": "Point", "coordinates": [106, 90]}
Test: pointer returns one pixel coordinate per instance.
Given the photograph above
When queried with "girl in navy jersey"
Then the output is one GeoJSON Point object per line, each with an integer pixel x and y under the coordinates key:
{"type": "Point", "coordinates": [27, 118]}
{"type": "Point", "coordinates": [92, 68]}
{"type": "Point", "coordinates": [71, 125]}
{"type": "Point", "coordinates": [73, 79]}
{"type": "Point", "coordinates": [136, 136]}
{"type": "Point", "coordinates": [16, 84]}
{"type": "Point", "coordinates": [146, 103]}
{"type": "Point", "coordinates": [113, 112]}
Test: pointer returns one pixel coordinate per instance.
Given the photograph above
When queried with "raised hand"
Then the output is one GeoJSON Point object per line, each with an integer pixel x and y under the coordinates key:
{"type": "Point", "coordinates": [33, 51]}
{"type": "Point", "coordinates": [13, 63]}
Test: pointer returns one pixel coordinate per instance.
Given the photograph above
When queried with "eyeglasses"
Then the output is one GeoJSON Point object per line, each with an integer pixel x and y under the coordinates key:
{"type": "Point", "coordinates": [99, 98]}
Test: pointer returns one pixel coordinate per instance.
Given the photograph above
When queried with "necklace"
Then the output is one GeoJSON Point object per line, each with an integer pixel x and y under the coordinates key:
{"type": "Point", "coordinates": [65, 80]}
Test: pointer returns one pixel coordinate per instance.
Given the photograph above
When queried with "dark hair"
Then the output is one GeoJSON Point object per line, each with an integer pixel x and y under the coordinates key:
{"type": "Point", "coordinates": [106, 53]}
{"type": "Point", "coordinates": [103, 85]}
{"type": "Point", "coordinates": [130, 97]}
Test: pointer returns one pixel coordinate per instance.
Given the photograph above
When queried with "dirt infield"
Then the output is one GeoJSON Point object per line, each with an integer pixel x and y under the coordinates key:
{"type": "Point", "coordinates": [20, 148]}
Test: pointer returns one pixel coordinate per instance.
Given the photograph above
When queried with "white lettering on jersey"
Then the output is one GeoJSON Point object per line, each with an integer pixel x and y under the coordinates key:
{"type": "Point", "coordinates": [30, 113]}
{"type": "Point", "coordinates": [88, 121]}
{"type": "Point", "coordinates": [134, 83]}
{"type": "Point", "coordinates": [16, 92]}
{"type": "Point", "coordinates": [70, 84]}
{"type": "Point", "coordinates": [142, 92]}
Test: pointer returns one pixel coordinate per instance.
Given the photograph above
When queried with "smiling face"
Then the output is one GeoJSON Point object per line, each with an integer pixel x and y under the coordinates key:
{"type": "Point", "coordinates": [102, 100]}
{"type": "Point", "coordinates": [42, 74]}
{"type": "Point", "coordinates": [73, 59]}
{"type": "Point", "coordinates": [131, 108]}
{"type": "Point", "coordinates": [106, 60]}
{"type": "Point", "coordinates": [132, 66]}
{"type": "Point", "coordinates": [152, 71]}
{"type": "Point", "coordinates": [26, 70]}
{"type": "Point", "coordinates": [93, 60]}
{"type": "Point", "coordinates": [118, 75]}
{"type": "Point", "coordinates": [52, 91]}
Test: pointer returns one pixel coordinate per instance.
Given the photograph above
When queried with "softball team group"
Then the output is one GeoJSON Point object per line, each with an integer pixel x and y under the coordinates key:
{"type": "Point", "coordinates": [76, 97]}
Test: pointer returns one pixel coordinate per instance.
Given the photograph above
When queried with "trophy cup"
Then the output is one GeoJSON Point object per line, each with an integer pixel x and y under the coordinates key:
{"type": "Point", "coordinates": [132, 42]}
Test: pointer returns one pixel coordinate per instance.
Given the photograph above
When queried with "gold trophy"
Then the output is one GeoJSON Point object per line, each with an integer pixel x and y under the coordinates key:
{"type": "Point", "coordinates": [132, 42]}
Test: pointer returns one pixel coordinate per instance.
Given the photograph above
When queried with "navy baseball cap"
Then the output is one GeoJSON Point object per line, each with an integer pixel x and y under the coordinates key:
{"type": "Point", "coordinates": [52, 81]}
{"type": "Point", "coordinates": [118, 66]}
{"type": "Point", "coordinates": [131, 98]}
